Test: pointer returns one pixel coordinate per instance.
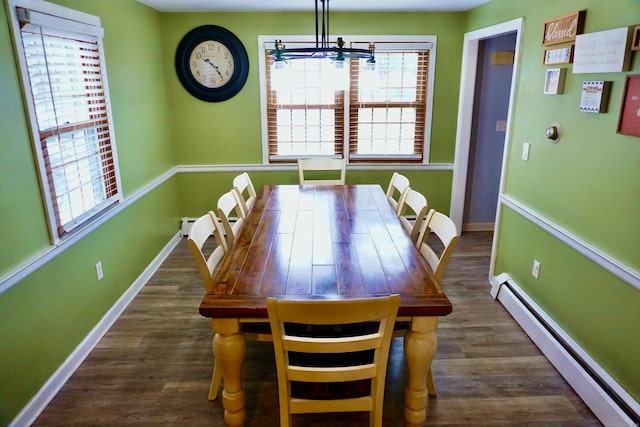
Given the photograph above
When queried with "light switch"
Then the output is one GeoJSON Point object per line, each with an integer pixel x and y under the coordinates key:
{"type": "Point", "coordinates": [525, 151]}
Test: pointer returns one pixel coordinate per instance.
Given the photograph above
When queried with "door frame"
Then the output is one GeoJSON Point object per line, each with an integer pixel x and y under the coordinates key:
{"type": "Point", "coordinates": [465, 118]}
{"type": "Point", "coordinates": [465, 112]}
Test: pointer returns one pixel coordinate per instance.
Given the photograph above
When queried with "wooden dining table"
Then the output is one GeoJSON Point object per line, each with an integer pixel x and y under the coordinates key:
{"type": "Point", "coordinates": [322, 242]}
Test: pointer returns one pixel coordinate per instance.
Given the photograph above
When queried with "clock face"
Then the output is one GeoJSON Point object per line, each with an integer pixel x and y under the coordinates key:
{"type": "Point", "coordinates": [211, 64]}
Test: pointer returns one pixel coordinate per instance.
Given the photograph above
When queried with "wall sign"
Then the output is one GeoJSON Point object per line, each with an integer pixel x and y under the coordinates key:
{"type": "Point", "coordinates": [630, 112]}
{"type": "Point", "coordinates": [595, 96]}
{"type": "Point", "coordinates": [564, 28]}
{"type": "Point", "coordinates": [603, 51]}
{"type": "Point", "coordinates": [563, 55]}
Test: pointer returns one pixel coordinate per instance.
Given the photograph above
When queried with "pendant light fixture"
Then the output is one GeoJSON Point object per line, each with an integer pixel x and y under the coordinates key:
{"type": "Point", "coordinates": [336, 53]}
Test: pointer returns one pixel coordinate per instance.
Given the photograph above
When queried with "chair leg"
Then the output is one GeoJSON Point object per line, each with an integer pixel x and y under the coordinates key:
{"type": "Point", "coordinates": [216, 380]}
{"type": "Point", "coordinates": [431, 386]}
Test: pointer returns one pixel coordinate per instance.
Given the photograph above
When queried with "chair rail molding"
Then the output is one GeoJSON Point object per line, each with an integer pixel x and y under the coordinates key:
{"type": "Point", "coordinates": [255, 167]}
{"type": "Point", "coordinates": [604, 260]}
{"type": "Point", "coordinates": [23, 270]}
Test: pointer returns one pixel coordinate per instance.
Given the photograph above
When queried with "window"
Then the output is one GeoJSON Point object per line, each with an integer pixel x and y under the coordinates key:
{"type": "Point", "coordinates": [64, 76]}
{"type": "Point", "coordinates": [380, 116]}
{"type": "Point", "coordinates": [305, 118]}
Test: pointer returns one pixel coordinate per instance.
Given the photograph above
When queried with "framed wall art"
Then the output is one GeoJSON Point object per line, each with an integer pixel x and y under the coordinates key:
{"type": "Point", "coordinates": [629, 123]}
{"type": "Point", "coordinates": [595, 96]}
{"type": "Point", "coordinates": [563, 55]}
{"type": "Point", "coordinates": [554, 81]}
{"type": "Point", "coordinates": [635, 41]}
{"type": "Point", "coordinates": [603, 51]}
{"type": "Point", "coordinates": [564, 28]}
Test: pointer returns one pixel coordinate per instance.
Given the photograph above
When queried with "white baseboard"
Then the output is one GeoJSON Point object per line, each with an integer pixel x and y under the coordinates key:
{"type": "Point", "coordinates": [478, 226]}
{"type": "Point", "coordinates": [48, 391]}
{"type": "Point", "coordinates": [592, 393]}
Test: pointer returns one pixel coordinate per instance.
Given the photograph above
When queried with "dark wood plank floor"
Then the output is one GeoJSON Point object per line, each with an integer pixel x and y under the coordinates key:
{"type": "Point", "coordinates": [153, 367]}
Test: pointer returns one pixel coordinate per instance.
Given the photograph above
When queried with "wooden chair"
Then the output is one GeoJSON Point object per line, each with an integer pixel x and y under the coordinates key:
{"type": "Point", "coordinates": [413, 203]}
{"type": "Point", "coordinates": [322, 164]}
{"type": "Point", "coordinates": [397, 189]}
{"type": "Point", "coordinates": [295, 349]}
{"type": "Point", "coordinates": [227, 204]}
{"type": "Point", "coordinates": [201, 231]}
{"type": "Point", "coordinates": [241, 184]}
{"type": "Point", "coordinates": [445, 230]}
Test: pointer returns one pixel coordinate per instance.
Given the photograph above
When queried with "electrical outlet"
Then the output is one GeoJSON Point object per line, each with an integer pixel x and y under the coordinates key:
{"type": "Point", "coordinates": [535, 271]}
{"type": "Point", "coordinates": [525, 151]}
{"type": "Point", "coordinates": [99, 272]}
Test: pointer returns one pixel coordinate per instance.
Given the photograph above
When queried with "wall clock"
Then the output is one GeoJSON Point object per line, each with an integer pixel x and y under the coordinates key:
{"type": "Point", "coordinates": [212, 63]}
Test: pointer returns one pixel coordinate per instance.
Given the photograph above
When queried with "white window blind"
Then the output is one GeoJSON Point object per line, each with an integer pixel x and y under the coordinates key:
{"type": "Point", "coordinates": [387, 116]}
{"type": "Point", "coordinates": [75, 140]}
{"type": "Point", "coordinates": [306, 118]}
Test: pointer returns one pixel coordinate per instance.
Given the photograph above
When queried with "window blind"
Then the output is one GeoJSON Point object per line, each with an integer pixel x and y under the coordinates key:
{"type": "Point", "coordinates": [387, 107]}
{"type": "Point", "coordinates": [305, 119]}
{"type": "Point", "coordinates": [67, 84]}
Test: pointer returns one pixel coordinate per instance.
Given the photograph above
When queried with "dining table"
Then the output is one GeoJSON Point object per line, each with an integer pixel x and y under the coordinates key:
{"type": "Point", "coordinates": [322, 242]}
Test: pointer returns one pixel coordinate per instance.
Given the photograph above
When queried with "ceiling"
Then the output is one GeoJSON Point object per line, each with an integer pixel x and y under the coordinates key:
{"type": "Point", "coordinates": [301, 5]}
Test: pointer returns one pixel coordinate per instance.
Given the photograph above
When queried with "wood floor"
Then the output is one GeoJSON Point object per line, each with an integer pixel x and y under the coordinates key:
{"type": "Point", "coordinates": [153, 367]}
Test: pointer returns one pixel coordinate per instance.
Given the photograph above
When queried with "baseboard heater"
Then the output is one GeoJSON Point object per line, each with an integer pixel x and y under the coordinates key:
{"type": "Point", "coordinates": [607, 400]}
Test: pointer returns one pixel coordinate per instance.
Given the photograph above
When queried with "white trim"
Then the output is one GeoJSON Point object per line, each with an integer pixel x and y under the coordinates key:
{"type": "Point", "coordinates": [594, 396]}
{"type": "Point", "coordinates": [61, 26]}
{"type": "Point", "coordinates": [294, 167]}
{"type": "Point", "coordinates": [41, 258]}
{"type": "Point", "coordinates": [54, 9]}
{"type": "Point", "coordinates": [609, 263]}
{"type": "Point", "coordinates": [47, 392]}
{"type": "Point", "coordinates": [465, 110]}
{"type": "Point", "coordinates": [478, 226]}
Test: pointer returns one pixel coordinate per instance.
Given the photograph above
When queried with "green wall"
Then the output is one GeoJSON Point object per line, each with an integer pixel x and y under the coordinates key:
{"type": "Point", "coordinates": [158, 126]}
{"type": "Point", "coordinates": [580, 183]}
{"type": "Point", "coordinates": [588, 183]}
{"type": "Point", "coordinates": [45, 316]}
{"type": "Point", "coordinates": [230, 132]}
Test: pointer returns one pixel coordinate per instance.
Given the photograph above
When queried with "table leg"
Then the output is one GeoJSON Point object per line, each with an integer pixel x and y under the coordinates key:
{"type": "Point", "coordinates": [420, 345]}
{"type": "Point", "coordinates": [229, 348]}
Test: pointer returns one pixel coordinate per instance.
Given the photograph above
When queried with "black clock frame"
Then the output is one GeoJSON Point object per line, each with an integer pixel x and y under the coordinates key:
{"type": "Point", "coordinates": [240, 58]}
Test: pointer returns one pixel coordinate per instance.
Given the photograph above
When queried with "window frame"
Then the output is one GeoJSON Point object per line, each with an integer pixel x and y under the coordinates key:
{"type": "Point", "coordinates": [58, 19]}
{"type": "Point", "coordinates": [266, 42]}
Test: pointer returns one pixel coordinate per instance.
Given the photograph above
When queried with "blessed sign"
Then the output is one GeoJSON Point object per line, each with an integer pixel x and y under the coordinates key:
{"type": "Point", "coordinates": [564, 28]}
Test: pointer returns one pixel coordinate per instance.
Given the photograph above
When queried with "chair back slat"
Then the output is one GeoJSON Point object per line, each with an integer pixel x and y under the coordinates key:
{"type": "Point", "coordinates": [397, 190]}
{"type": "Point", "coordinates": [228, 204]}
{"type": "Point", "coordinates": [446, 231]}
{"type": "Point", "coordinates": [413, 204]}
{"type": "Point", "coordinates": [201, 230]}
{"type": "Point", "coordinates": [242, 185]}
